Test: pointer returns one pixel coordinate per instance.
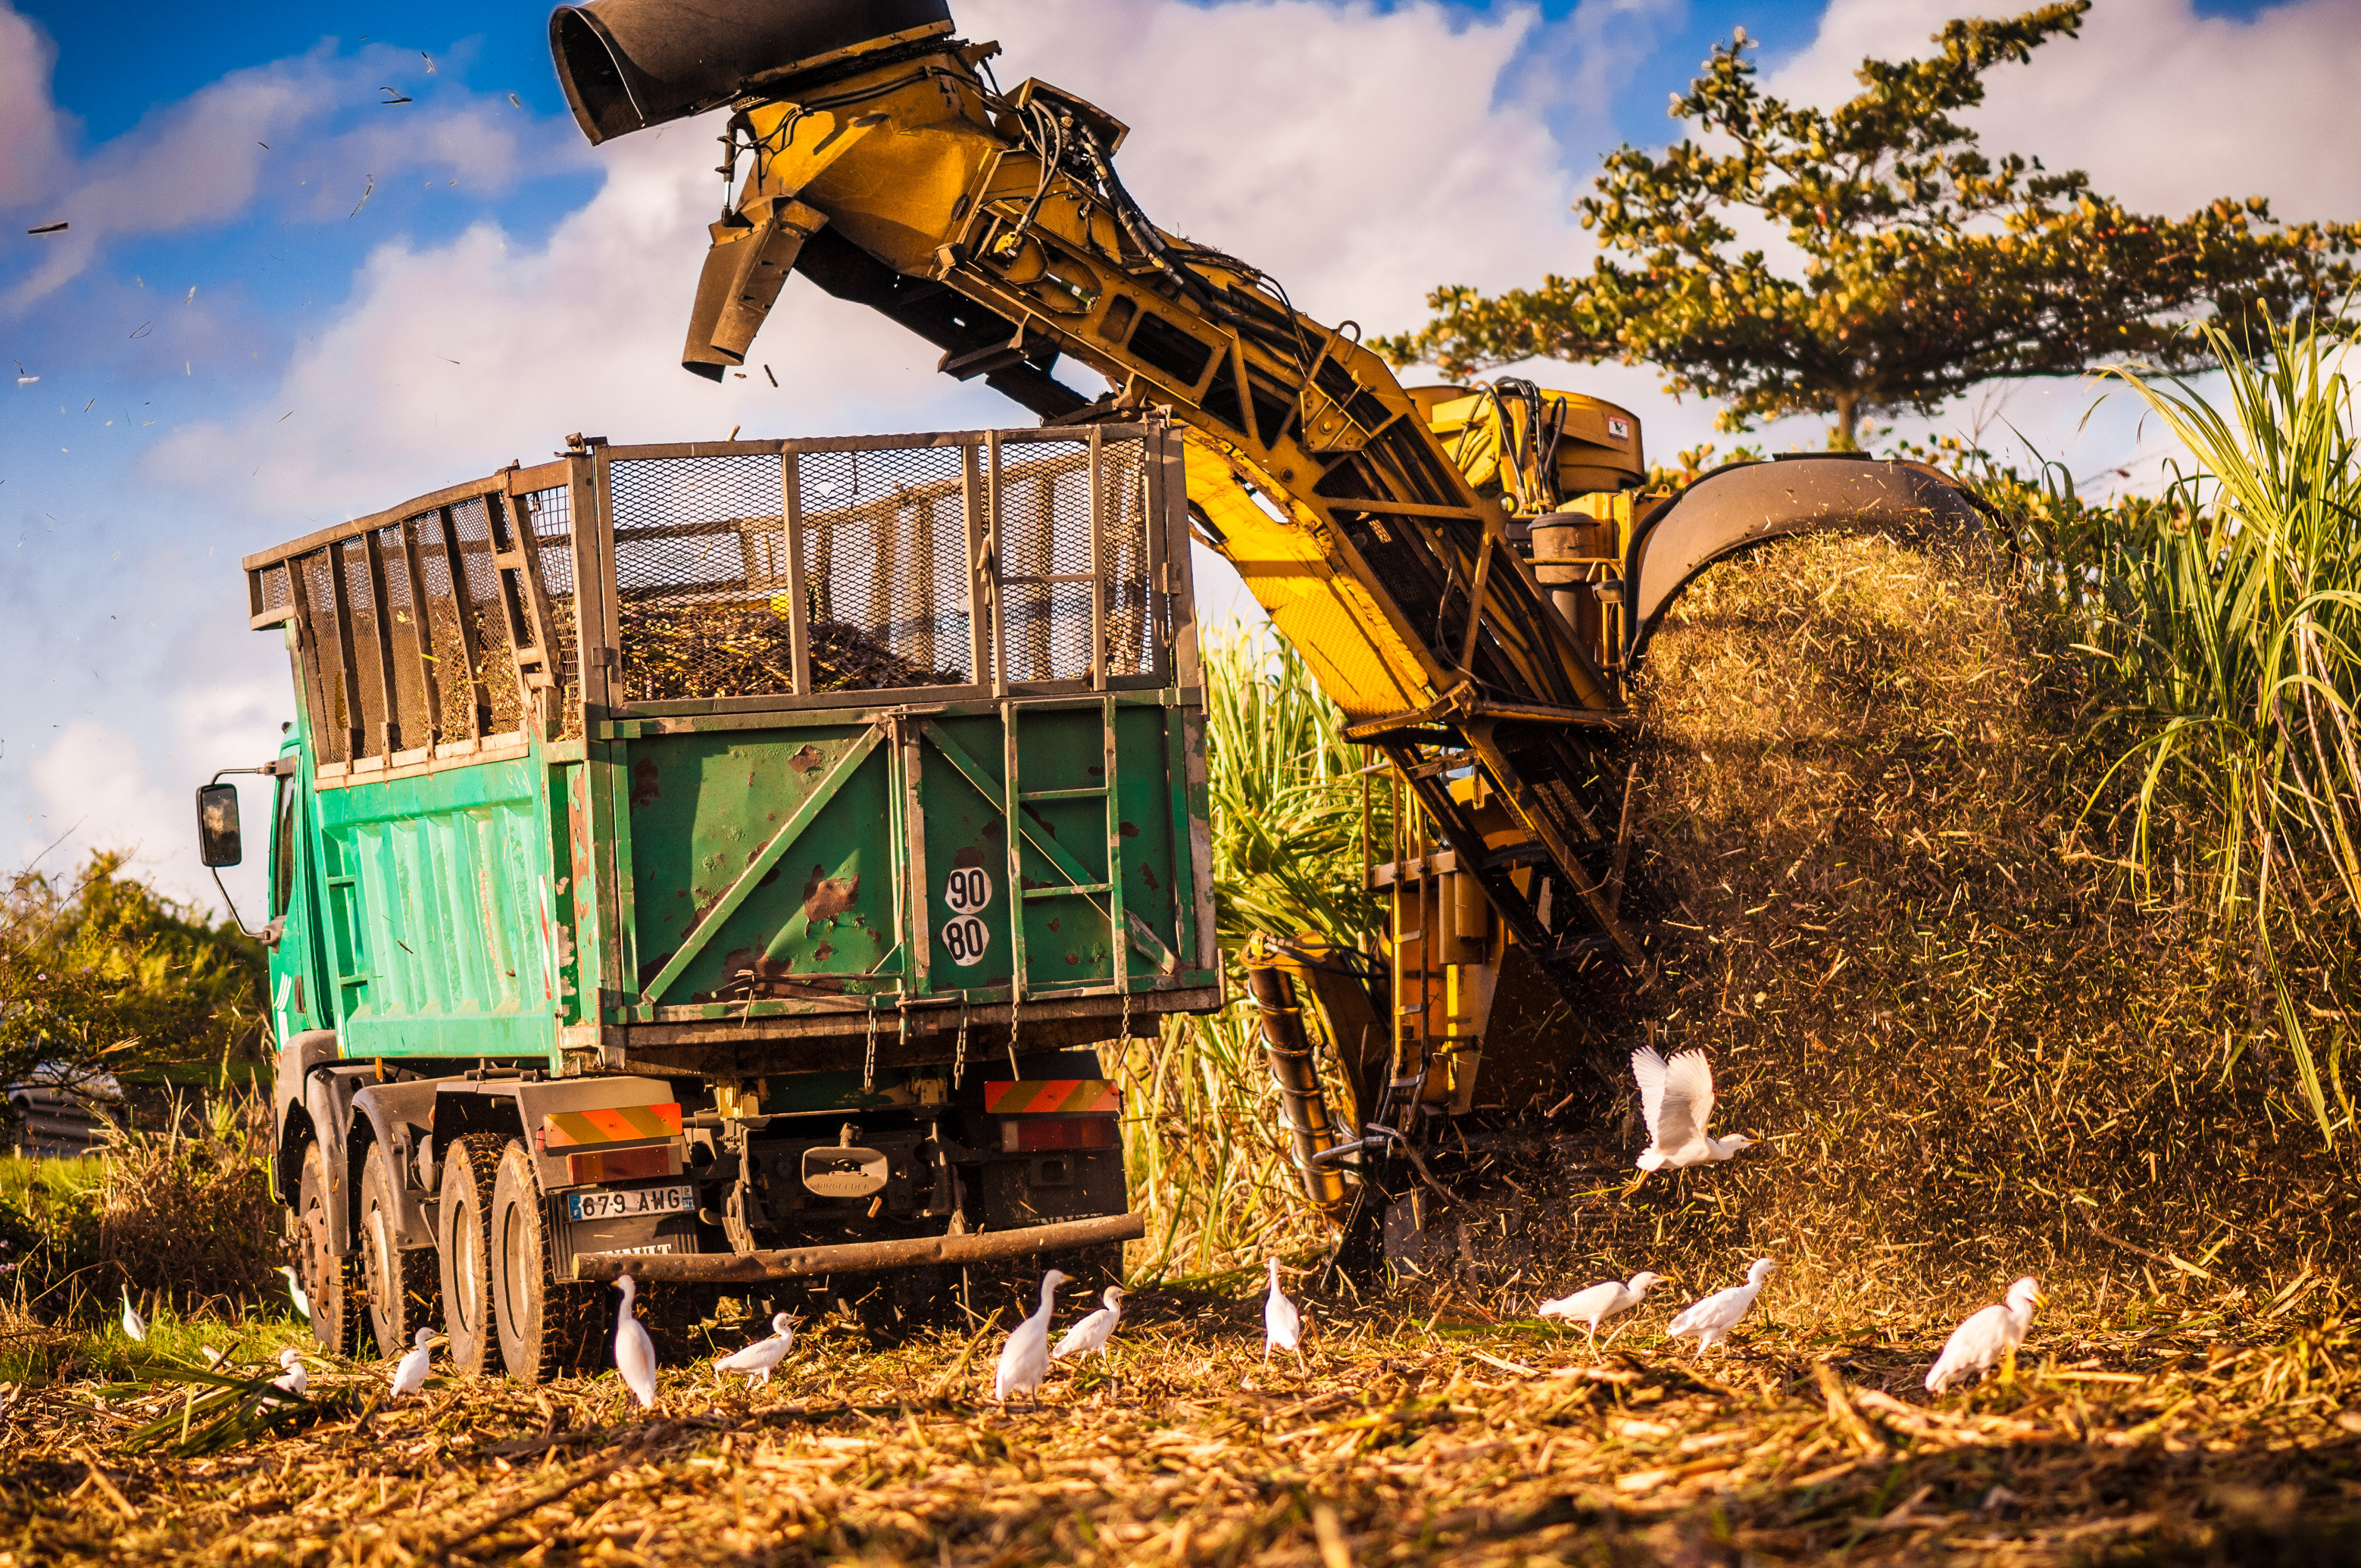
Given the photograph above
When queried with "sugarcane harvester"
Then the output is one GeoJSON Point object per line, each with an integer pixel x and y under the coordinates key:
{"type": "Point", "coordinates": [1470, 572]}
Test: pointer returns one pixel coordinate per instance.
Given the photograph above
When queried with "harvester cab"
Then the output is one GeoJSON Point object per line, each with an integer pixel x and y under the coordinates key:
{"type": "Point", "coordinates": [1471, 572]}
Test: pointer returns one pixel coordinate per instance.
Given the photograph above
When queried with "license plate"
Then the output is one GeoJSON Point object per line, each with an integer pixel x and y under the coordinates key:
{"type": "Point", "coordinates": [618, 1204]}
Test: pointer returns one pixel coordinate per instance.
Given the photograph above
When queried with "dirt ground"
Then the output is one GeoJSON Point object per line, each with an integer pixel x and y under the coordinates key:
{"type": "Point", "coordinates": [2195, 1441]}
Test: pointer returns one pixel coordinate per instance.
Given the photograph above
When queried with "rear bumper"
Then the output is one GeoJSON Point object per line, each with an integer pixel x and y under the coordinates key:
{"type": "Point", "coordinates": [859, 1257]}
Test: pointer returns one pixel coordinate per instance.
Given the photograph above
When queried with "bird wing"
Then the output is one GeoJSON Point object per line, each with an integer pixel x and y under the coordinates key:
{"type": "Point", "coordinates": [1689, 1097]}
{"type": "Point", "coordinates": [1086, 1335]}
{"type": "Point", "coordinates": [1648, 1071]}
{"type": "Point", "coordinates": [751, 1358]}
{"type": "Point", "coordinates": [1974, 1345]}
{"type": "Point", "coordinates": [1584, 1305]}
{"type": "Point", "coordinates": [1282, 1325]}
{"type": "Point", "coordinates": [1718, 1310]}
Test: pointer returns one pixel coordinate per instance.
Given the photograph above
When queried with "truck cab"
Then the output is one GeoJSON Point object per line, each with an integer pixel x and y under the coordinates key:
{"type": "Point", "coordinates": [725, 863]}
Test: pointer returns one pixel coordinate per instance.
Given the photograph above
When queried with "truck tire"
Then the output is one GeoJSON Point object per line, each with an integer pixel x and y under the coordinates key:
{"type": "Point", "coordinates": [548, 1326]}
{"type": "Point", "coordinates": [403, 1290]}
{"type": "Point", "coordinates": [463, 1243]}
{"type": "Point", "coordinates": [331, 1282]}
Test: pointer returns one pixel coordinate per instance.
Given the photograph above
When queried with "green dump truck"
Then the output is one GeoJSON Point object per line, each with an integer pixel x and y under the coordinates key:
{"type": "Point", "coordinates": [715, 863]}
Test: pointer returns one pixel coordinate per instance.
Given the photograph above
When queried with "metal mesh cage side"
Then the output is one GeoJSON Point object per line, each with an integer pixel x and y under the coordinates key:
{"type": "Point", "coordinates": [1131, 633]}
{"type": "Point", "coordinates": [273, 582]}
{"type": "Point", "coordinates": [487, 617]}
{"type": "Point", "coordinates": [455, 687]}
{"type": "Point", "coordinates": [551, 515]}
{"type": "Point", "coordinates": [1045, 531]}
{"type": "Point", "coordinates": [360, 605]}
{"type": "Point", "coordinates": [331, 724]}
{"type": "Point", "coordinates": [700, 578]}
{"type": "Point", "coordinates": [415, 724]}
{"type": "Point", "coordinates": [884, 560]}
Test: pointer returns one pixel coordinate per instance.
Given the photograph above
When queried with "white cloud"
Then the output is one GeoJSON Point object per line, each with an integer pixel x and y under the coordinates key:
{"type": "Point", "coordinates": [1275, 129]}
{"type": "Point", "coordinates": [2165, 108]}
{"type": "Point", "coordinates": [202, 160]}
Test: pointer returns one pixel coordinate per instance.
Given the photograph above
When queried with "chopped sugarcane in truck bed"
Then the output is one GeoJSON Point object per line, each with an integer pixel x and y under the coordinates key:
{"type": "Point", "coordinates": [715, 862]}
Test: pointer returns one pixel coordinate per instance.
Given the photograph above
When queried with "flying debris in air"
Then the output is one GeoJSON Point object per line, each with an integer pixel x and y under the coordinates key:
{"type": "Point", "coordinates": [1093, 1332]}
{"type": "Point", "coordinates": [515, 100]}
{"type": "Point", "coordinates": [391, 98]}
{"type": "Point", "coordinates": [48, 228]}
{"type": "Point", "coordinates": [1990, 1335]}
{"type": "Point", "coordinates": [1600, 1302]}
{"type": "Point", "coordinates": [761, 1358]}
{"type": "Point", "coordinates": [1677, 1097]}
{"type": "Point", "coordinates": [1283, 1324]}
{"type": "Point", "coordinates": [1024, 1359]}
{"type": "Point", "coordinates": [1712, 1319]}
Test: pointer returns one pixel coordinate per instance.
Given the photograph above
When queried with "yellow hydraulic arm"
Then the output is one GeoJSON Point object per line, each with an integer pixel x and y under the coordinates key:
{"type": "Point", "coordinates": [892, 172]}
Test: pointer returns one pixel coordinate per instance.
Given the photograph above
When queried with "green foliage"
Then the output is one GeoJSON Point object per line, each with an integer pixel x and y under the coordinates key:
{"type": "Point", "coordinates": [108, 972]}
{"type": "Point", "coordinates": [2227, 630]}
{"type": "Point", "coordinates": [1286, 797]}
{"type": "Point", "coordinates": [1914, 266]}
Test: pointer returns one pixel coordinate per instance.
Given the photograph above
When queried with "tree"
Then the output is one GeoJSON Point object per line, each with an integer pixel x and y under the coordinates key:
{"type": "Point", "coordinates": [1914, 266]}
{"type": "Point", "coordinates": [110, 974]}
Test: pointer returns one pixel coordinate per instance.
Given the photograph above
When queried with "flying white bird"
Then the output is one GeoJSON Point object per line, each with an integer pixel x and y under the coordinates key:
{"type": "Point", "coordinates": [295, 1292]}
{"type": "Point", "coordinates": [1712, 1319]}
{"type": "Point", "coordinates": [1989, 1335]}
{"type": "Point", "coordinates": [1282, 1325]}
{"type": "Point", "coordinates": [293, 1379]}
{"type": "Point", "coordinates": [133, 1323]}
{"type": "Point", "coordinates": [1677, 1097]}
{"type": "Point", "coordinates": [1600, 1302]}
{"type": "Point", "coordinates": [761, 1358]}
{"type": "Point", "coordinates": [1024, 1359]}
{"type": "Point", "coordinates": [635, 1352]}
{"type": "Point", "coordinates": [1093, 1332]}
{"type": "Point", "coordinates": [409, 1372]}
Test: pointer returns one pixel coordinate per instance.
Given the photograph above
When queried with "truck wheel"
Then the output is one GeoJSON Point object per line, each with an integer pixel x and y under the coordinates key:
{"type": "Point", "coordinates": [464, 1244]}
{"type": "Point", "coordinates": [548, 1325]}
{"type": "Point", "coordinates": [330, 1281]}
{"type": "Point", "coordinates": [402, 1288]}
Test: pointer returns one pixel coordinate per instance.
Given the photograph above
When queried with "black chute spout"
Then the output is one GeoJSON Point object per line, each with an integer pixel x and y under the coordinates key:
{"type": "Point", "coordinates": [629, 64]}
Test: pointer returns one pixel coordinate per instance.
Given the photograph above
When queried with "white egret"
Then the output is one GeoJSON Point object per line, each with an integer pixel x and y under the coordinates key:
{"type": "Point", "coordinates": [293, 1377]}
{"type": "Point", "coordinates": [1283, 1324]}
{"type": "Point", "coordinates": [409, 1372]}
{"type": "Point", "coordinates": [1712, 1319]}
{"type": "Point", "coordinates": [761, 1358]}
{"type": "Point", "coordinates": [635, 1352]}
{"type": "Point", "coordinates": [295, 1290]}
{"type": "Point", "coordinates": [1991, 1334]}
{"type": "Point", "coordinates": [134, 1324]}
{"type": "Point", "coordinates": [1093, 1332]}
{"type": "Point", "coordinates": [1600, 1302]}
{"type": "Point", "coordinates": [1024, 1359]}
{"type": "Point", "coordinates": [1677, 1097]}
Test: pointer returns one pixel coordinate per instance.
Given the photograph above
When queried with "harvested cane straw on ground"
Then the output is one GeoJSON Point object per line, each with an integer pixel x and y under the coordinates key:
{"type": "Point", "coordinates": [1467, 1444]}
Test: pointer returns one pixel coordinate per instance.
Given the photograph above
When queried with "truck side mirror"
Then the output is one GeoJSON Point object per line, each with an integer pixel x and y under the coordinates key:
{"type": "Point", "coordinates": [218, 841]}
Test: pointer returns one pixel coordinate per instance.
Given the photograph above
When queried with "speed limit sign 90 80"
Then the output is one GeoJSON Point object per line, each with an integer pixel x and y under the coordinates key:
{"type": "Point", "coordinates": [965, 937]}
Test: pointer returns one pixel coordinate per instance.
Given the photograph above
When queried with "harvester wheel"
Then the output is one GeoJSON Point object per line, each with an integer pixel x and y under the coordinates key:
{"type": "Point", "coordinates": [464, 1244]}
{"type": "Point", "coordinates": [403, 1289]}
{"type": "Point", "coordinates": [548, 1325]}
{"type": "Point", "coordinates": [331, 1282]}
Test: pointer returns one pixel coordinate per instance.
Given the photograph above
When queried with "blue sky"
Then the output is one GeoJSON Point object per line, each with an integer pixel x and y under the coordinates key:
{"type": "Point", "coordinates": [284, 299]}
